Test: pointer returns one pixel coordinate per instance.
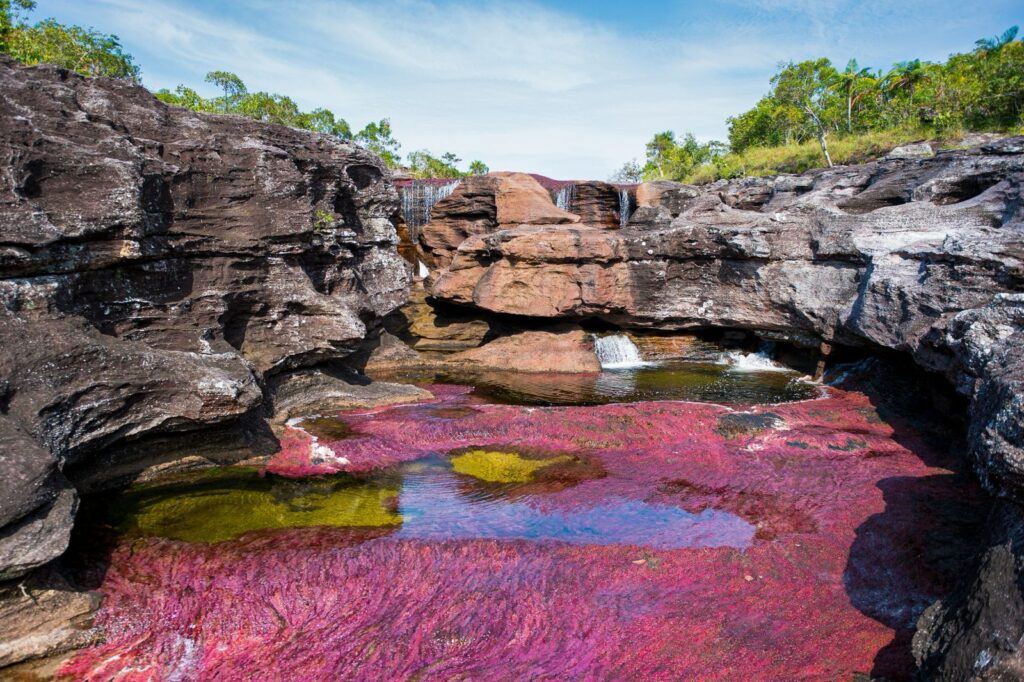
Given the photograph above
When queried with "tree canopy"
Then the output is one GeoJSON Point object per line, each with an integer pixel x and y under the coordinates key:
{"type": "Point", "coordinates": [980, 90]}
{"type": "Point", "coordinates": [84, 50]}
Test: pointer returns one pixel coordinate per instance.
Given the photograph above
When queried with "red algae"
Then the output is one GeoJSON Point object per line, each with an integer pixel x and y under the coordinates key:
{"type": "Point", "coordinates": [850, 514]}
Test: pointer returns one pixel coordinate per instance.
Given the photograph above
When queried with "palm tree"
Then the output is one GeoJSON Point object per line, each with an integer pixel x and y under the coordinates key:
{"type": "Point", "coordinates": [846, 82]}
{"type": "Point", "coordinates": [997, 43]}
{"type": "Point", "coordinates": [907, 76]}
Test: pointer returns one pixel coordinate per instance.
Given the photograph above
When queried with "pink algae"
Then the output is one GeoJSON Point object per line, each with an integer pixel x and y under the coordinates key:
{"type": "Point", "coordinates": [847, 508]}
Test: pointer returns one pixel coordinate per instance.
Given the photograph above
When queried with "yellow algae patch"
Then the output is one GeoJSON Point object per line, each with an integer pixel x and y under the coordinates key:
{"type": "Point", "coordinates": [227, 507]}
{"type": "Point", "coordinates": [501, 467]}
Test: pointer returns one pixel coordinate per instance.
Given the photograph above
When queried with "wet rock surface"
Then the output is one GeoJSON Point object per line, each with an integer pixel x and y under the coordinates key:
{"type": "Point", "coordinates": [159, 268]}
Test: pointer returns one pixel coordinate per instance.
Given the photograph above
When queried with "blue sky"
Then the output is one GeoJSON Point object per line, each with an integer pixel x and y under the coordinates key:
{"type": "Point", "coordinates": [568, 89]}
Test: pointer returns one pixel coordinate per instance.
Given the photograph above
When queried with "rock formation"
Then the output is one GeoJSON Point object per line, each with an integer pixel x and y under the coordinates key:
{"type": "Point", "coordinates": [918, 254]}
{"type": "Point", "coordinates": [159, 270]}
{"type": "Point", "coordinates": [881, 255]}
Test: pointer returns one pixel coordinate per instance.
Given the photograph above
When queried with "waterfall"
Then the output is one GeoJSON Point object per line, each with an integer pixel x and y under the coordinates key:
{"type": "Point", "coordinates": [418, 200]}
{"type": "Point", "coordinates": [422, 271]}
{"type": "Point", "coordinates": [617, 352]}
{"type": "Point", "coordinates": [624, 207]}
{"type": "Point", "coordinates": [564, 197]}
{"type": "Point", "coordinates": [761, 361]}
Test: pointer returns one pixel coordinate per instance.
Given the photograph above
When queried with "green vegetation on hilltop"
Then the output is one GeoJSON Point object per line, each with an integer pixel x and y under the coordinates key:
{"type": "Point", "coordinates": [86, 51]}
{"type": "Point", "coordinates": [816, 115]}
{"type": "Point", "coordinates": [92, 53]}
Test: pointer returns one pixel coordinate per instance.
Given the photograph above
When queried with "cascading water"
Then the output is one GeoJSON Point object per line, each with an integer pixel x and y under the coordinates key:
{"type": "Point", "coordinates": [418, 200]}
{"type": "Point", "coordinates": [761, 361]}
{"type": "Point", "coordinates": [625, 208]}
{"type": "Point", "coordinates": [422, 271]}
{"type": "Point", "coordinates": [564, 197]}
{"type": "Point", "coordinates": [617, 352]}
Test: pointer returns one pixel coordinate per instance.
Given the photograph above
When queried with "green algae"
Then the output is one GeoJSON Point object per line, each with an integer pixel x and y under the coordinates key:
{"type": "Point", "coordinates": [224, 503]}
{"type": "Point", "coordinates": [327, 428]}
{"type": "Point", "coordinates": [501, 467]}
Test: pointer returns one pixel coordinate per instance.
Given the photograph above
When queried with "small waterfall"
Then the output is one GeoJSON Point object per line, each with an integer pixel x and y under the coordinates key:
{"type": "Point", "coordinates": [761, 361]}
{"type": "Point", "coordinates": [617, 352]}
{"type": "Point", "coordinates": [565, 196]}
{"type": "Point", "coordinates": [422, 271]}
{"type": "Point", "coordinates": [418, 200]}
{"type": "Point", "coordinates": [625, 208]}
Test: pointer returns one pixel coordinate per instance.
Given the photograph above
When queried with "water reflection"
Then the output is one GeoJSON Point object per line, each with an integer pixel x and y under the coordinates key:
{"type": "Point", "coordinates": [669, 380]}
{"type": "Point", "coordinates": [460, 497]}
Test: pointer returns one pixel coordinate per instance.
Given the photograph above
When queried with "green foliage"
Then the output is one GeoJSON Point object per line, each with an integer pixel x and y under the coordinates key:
{"type": "Point", "coordinates": [323, 221]}
{"type": "Point", "coordinates": [814, 114]}
{"type": "Point", "coordinates": [377, 137]}
{"type": "Point", "coordinates": [667, 158]}
{"type": "Point", "coordinates": [86, 51]}
{"type": "Point", "coordinates": [423, 164]}
{"type": "Point", "coordinates": [630, 172]}
{"type": "Point", "coordinates": [262, 106]}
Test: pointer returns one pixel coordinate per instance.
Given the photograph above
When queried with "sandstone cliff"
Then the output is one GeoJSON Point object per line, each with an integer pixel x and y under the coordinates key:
{"type": "Point", "coordinates": [159, 270]}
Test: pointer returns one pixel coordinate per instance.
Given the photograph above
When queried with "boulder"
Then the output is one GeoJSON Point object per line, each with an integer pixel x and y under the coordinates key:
{"type": "Point", "coordinates": [521, 200]}
{"type": "Point", "coordinates": [569, 351]}
{"type": "Point", "coordinates": [915, 150]}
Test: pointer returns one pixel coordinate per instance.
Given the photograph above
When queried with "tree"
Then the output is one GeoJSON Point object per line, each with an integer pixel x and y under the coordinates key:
{"type": "Point", "coordinates": [86, 51]}
{"type": "Point", "coordinates": [631, 172]}
{"type": "Point", "coordinates": [323, 121]}
{"type": "Point", "coordinates": [377, 137]}
{"type": "Point", "coordinates": [906, 76]}
{"type": "Point", "coordinates": [233, 87]}
{"type": "Point", "coordinates": [659, 151]}
{"type": "Point", "coordinates": [805, 86]}
{"type": "Point", "coordinates": [423, 164]}
{"type": "Point", "coordinates": [846, 82]}
{"type": "Point", "coordinates": [994, 45]}
{"type": "Point", "coordinates": [478, 167]}
{"type": "Point", "coordinates": [11, 19]}
{"type": "Point", "coordinates": [667, 158]}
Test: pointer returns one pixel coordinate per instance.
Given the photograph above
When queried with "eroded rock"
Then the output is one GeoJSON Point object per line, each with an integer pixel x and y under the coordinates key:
{"type": "Point", "coordinates": [159, 268]}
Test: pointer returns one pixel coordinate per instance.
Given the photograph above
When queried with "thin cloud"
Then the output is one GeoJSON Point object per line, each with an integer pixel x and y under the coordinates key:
{"type": "Point", "coordinates": [522, 86]}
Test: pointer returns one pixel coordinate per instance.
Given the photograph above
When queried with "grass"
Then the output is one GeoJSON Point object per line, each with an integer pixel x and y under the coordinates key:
{"type": "Point", "coordinates": [799, 158]}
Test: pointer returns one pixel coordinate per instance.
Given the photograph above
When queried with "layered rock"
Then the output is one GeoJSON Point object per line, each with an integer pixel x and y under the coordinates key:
{"type": "Point", "coordinates": [884, 253]}
{"type": "Point", "coordinates": [159, 269]}
{"type": "Point", "coordinates": [919, 255]}
{"type": "Point", "coordinates": [483, 204]}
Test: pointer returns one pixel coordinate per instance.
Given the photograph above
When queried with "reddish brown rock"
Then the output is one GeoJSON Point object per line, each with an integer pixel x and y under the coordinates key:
{"type": "Point", "coordinates": [534, 351]}
{"type": "Point", "coordinates": [521, 200]}
{"type": "Point", "coordinates": [468, 211]}
{"type": "Point", "coordinates": [597, 204]}
{"type": "Point", "coordinates": [481, 205]}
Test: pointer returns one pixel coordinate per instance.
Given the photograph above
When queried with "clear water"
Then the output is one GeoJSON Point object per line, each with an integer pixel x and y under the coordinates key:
{"type": "Point", "coordinates": [667, 380]}
{"type": "Point", "coordinates": [480, 494]}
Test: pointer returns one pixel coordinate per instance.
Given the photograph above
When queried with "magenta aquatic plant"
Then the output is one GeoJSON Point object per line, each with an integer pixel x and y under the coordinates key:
{"type": "Point", "coordinates": [828, 581]}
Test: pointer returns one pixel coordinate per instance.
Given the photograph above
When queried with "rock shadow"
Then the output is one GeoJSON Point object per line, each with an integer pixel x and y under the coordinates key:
{"type": "Point", "coordinates": [911, 554]}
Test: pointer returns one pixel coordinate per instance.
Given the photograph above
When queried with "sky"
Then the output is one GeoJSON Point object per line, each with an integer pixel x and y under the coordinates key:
{"type": "Point", "coordinates": [568, 89]}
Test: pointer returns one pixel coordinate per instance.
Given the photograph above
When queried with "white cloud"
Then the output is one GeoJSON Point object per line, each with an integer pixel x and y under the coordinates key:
{"type": "Point", "coordinates": [518, 85]}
